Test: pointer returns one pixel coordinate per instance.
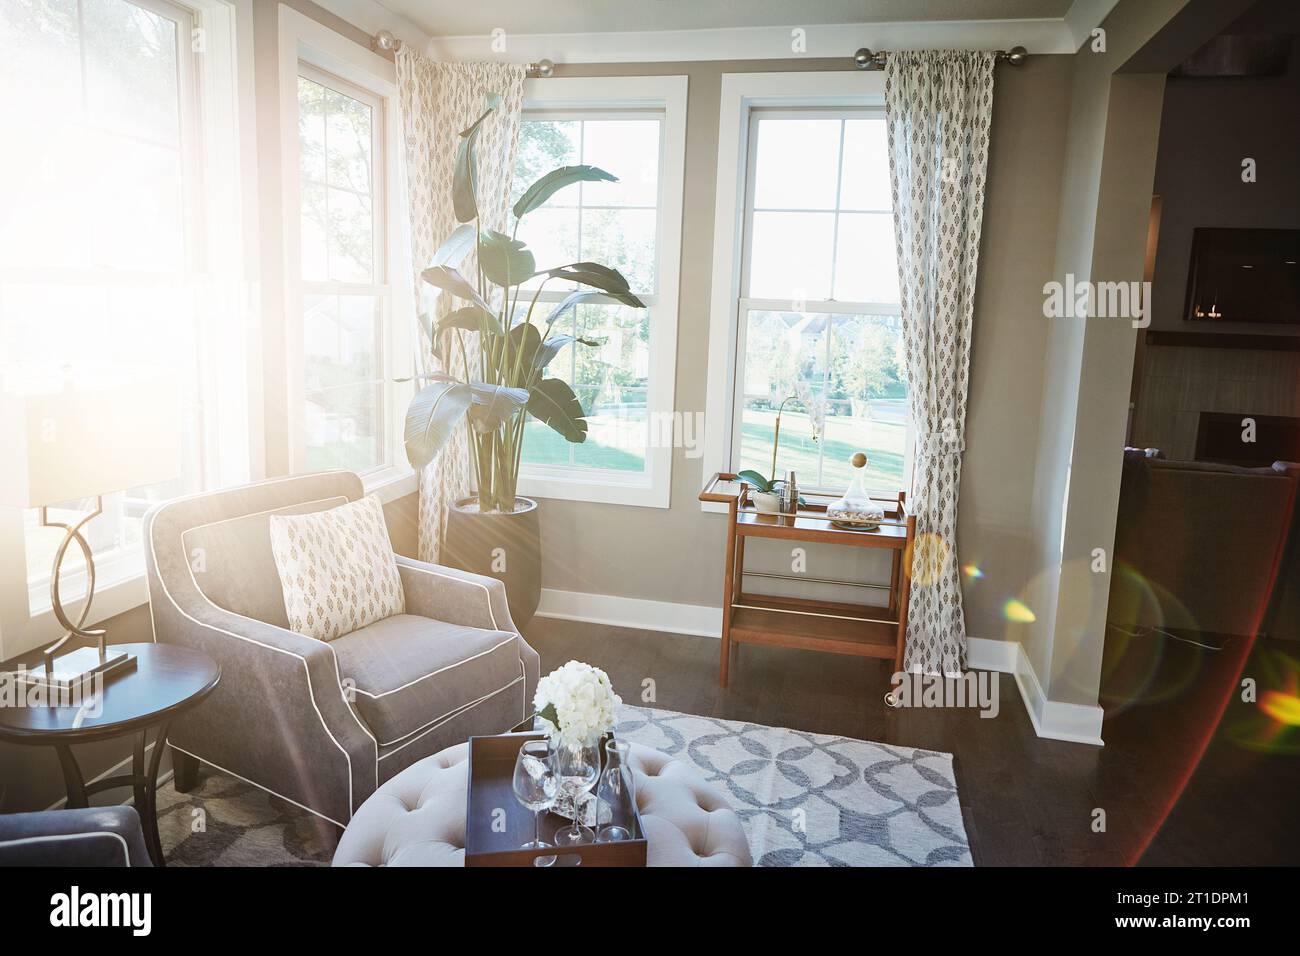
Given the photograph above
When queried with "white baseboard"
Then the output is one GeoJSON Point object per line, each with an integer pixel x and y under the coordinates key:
{"type": "Point", "coordinates": [1054, 719]}
{"type": "Point", "coordinates": [983, 654]}
{"type": "Point", "coordinates": [1051, 719]}
{"type": "Point", "coordinates": [698, 619]}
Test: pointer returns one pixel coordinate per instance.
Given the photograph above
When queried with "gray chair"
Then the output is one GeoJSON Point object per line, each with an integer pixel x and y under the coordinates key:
{"type": "Point", "coordinates": [323, 724]}
{"type": "Point", "coordinates": [92, 836]}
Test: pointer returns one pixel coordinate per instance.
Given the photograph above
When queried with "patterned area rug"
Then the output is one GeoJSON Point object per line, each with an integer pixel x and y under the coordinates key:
{"type": "Point", "coordinates": [805, 800]}
{"type": "Point", "coordinates": [816, 800]}
{"type": "Point", "coordinates": [226, 822]}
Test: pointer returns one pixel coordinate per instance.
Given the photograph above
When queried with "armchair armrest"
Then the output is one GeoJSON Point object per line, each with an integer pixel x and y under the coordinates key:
{"type": "Point", "coordinates": [457, 597]}
{"type": "Point", "coordinates": [94, 836]}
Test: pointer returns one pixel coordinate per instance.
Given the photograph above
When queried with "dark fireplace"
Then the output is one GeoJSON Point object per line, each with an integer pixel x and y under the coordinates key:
{"type": "Point", "coordinates": [1219, 438]}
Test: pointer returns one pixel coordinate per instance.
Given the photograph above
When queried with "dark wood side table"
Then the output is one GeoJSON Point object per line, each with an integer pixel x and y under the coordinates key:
{"type": "Point", "coordinates": [167, 680]}
{"type": "Point", "coordinates": [863, 630]}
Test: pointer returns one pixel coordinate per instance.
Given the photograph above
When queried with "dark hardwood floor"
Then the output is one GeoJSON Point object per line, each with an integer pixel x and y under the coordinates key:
{"type": "Point", "coordinates": [1025, 800]}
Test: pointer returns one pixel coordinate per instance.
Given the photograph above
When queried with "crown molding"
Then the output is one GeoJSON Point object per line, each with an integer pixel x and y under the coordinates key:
{"type": "Point", "coordinates": [765, 43]}
{"type": "Point", "coordinates": [1083, 17]}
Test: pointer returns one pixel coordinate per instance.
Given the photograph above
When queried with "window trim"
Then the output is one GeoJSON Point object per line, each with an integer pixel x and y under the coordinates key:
{"type": "Point", "coordinates": [742, 93]}
{"type": "Point", "coordinates": [621, 94]}
{"type": "Point", "coordinates": [222, 136]}
{"type": "Point", "coordinates": [303, 41]}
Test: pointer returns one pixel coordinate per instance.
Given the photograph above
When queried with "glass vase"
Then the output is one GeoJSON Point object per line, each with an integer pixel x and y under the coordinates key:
{"type": "Point", "coordinates": [616, 796]}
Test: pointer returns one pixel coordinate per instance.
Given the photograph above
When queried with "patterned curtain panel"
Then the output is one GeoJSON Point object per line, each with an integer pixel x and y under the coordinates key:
{"type": "Point", "coordinates": [938, 105]}
{"type": "Point", "coordinates": [437, 101]}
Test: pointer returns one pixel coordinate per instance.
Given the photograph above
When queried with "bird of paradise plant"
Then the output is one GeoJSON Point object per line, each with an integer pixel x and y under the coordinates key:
{"type": "Point", "coordinates": [495, 394]}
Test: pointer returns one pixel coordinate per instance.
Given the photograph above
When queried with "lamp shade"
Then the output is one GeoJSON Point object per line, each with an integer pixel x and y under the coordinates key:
{"type": "Point", "coordinates": [86, 440]}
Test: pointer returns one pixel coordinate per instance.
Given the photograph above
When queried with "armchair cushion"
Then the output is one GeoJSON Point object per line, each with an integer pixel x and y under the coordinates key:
{"type": "Point", "coordinates": [336, 568]}
{"type": "Point", "coordinates": [408, 673]}
{"type": "Point", "coordinates": [91, 836]}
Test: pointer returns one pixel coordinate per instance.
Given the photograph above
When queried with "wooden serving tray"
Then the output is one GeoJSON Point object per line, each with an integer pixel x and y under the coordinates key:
{"type": "Point", "coordinates": [496, 825]}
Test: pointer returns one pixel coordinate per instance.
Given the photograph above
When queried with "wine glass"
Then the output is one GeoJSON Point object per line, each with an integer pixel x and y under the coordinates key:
{"type": "Point", "coordinates": [535, 786]}
{"type": "Point", "coordinates": [617, 792]}
{"type": "Point", "coordinates": [577, 769]}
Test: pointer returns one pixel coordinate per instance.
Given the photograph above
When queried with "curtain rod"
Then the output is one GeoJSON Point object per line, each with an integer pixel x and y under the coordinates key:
{"type": "Point", "coordinates": [865, 59]}
{"type": "Point", "coordinates": [385, 42]}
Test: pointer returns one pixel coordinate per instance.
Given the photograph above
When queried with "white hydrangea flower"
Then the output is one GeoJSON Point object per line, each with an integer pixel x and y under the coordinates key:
{"type": "Point", "coordinates": [581, 701]}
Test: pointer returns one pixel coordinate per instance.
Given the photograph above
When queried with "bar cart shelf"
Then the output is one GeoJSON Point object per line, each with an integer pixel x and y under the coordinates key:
{"type": "Point", "coordinates": [862, 630]}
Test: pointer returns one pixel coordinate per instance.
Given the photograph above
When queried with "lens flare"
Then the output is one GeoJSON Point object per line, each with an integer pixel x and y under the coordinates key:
{"type": "Point", "coordinates": [1271, 728]}
{"type": "Point", "coordinates": [972, 571]}
{"type": "Point", "coordinates": [1018, 612]}
{"type": "Point", "coordinates": [1284, 708]}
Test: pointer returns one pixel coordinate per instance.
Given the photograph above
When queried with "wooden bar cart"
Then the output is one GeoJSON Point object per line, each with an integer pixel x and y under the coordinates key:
{"type": "Point", "coordinates": [864, 630]}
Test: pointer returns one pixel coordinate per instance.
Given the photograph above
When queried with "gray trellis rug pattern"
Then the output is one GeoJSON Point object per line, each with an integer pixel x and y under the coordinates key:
{"type": "Point", "coordinates": [817, 800]}
{"type": "Point", "coordinates": [804, 799]}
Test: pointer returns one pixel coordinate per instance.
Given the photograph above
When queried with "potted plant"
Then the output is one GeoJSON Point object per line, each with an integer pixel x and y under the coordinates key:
{"type": "Point", "coordinates": [768, 491]}
{"type": "Point", "coordinates": [495, 531]}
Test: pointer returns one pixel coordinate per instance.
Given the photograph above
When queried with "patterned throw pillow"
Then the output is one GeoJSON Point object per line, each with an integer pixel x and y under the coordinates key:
{"type": "Point", "coordinates": [337, 569]}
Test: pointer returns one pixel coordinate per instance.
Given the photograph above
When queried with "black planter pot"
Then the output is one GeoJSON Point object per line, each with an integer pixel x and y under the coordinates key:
{"type": "Point", "coordinates": [507, 547]}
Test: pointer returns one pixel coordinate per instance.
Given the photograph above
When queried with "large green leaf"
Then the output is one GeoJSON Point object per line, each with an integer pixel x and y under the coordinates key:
{"type": "Point", "coordinates": [431, 419]}
{"type": "Point", "coordinates": [570, 301]}
{"type": "Point", "coordinates": [450, 280]}
{"type": "Point", "coordinates": [455, 247]}
{"type": "Point", "coordinates": [525, 340]}
{"type": "Point", "coordinates": [464, 187]}
{"type": "Point", "coordinates": [472, 318]}
{"type": "Point", "coordinates": [504, 260]}
{"type": "Point", "coordinates": [554, 344]}
{"type": "Point", "coordinates": [607, 280]}
{"type": "Point", "coordinates": [553, 402]}
{"type": "Point", "coordinates": [494, 404]}
{"type": "Point", "coordinates": [546, 187]}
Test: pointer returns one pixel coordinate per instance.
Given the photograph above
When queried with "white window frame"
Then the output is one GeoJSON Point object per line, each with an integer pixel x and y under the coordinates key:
{"type": "Point", "coordinates": [219, 132]}
{"type": "Point", "coordinates": [613, 94]}
{"type": "Point", "coordinates": [304, 42]}
{"type": "Point", "coordinates": [742, 94]}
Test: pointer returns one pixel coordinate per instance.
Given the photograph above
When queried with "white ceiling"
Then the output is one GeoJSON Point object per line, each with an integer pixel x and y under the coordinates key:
{"type": "Point", "coordinates": [450, 18]}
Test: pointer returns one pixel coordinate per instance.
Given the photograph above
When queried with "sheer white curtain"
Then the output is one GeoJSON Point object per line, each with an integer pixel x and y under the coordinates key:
{"type": "Point", "coordinates": [938, 105]}
{"type": "Point", "coordinates": [437, 101]}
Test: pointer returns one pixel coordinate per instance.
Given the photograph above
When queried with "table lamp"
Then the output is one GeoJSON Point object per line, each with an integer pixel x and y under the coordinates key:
{"type": "Point", "coordinates": [85, 441]}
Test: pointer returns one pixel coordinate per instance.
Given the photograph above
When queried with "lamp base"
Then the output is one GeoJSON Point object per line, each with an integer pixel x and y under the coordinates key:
{"type": "Point", "coordinates": [76, 668]}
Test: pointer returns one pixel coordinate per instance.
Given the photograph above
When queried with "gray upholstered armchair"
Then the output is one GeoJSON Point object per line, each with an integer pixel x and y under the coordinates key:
{"type": "Point", "coordinates": [89, 836]}
{"type": "Point", "coordinates": [318, 723]}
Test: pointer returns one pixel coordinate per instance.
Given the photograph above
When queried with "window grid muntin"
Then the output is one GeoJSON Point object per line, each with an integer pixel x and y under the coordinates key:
{"type": "Point", "coordinates": [552, 295]}
{"type": "Point", "coordinates": [830, 306]}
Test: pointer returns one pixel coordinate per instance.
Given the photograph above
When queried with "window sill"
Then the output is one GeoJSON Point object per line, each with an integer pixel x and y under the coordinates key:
{"type": "Point", "coordinates": [594, 490]}
{"type": "Point", "coordinates": [391, 483]}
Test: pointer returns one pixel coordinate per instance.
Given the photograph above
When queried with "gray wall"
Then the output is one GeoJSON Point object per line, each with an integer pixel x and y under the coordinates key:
{"type": "Point", "coordinates": [675, 554]}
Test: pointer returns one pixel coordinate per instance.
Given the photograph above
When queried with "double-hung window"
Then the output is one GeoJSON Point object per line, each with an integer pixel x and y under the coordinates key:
{"type": "Point", "coordinates": [346, 335]}
{"type": "Point", "coordinates": [343, 274]}
{"type": "Point", "coordinates": [812, 314]}
{"type": "Point", "coordinates": [632, 127]}
{"type": "Point", "coordinates": [111, 259]}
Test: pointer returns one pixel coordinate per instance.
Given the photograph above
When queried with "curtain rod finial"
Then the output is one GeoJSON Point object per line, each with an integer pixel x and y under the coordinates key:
{"type": "Point", "coordinates": [542, 68]}
{"type": "Point", "coordinates": [385, 41]}
{"type": "Point", "coordinates": [864, 59]}
{"type": "Point", "coordinates": [1017, 55]}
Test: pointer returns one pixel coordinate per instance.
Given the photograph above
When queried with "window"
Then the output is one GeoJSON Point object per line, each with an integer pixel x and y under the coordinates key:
{"type": "Point", "coordinates": [343, 274]}
{"type": "Point", "coordinates": [805, 307]}
{"type": "Point", "coordinates": [109, 259]}
{"type": "Point", "coordinates": [819, 314]}
{"type": "Point", "coordinates": [348, 327]}
{"type": "Point", "coordinates": [633, 128]}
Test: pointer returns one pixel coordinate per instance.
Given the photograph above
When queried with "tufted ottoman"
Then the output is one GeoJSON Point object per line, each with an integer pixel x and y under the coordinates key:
{"type": "Point", "coordinates": [418, 817]}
